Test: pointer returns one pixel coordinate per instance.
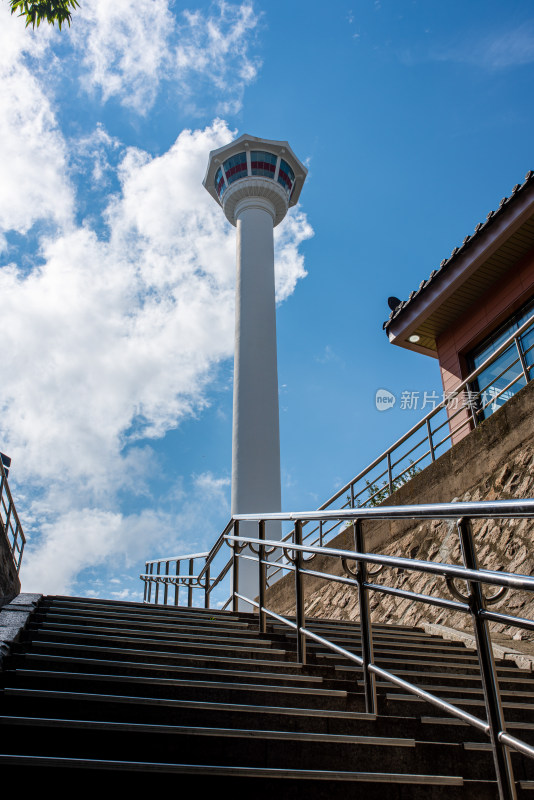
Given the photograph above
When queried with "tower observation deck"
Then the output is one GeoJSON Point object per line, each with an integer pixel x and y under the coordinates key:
{"type": "Point", "coordinates": [255, 181]}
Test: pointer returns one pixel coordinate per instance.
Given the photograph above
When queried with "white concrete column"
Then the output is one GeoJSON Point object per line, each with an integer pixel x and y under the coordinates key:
{"type": "Point", "coordinates": [255, 200]}
{"type": "Point", "coordinates": [255, 438]}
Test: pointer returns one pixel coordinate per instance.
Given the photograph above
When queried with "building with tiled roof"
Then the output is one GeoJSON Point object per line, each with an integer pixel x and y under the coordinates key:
{"type": "Point", "coordinates": [474, 301]}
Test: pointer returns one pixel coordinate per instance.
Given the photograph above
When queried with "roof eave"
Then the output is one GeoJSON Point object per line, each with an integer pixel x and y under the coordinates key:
{"type": "Point", "coordinates": [417, 311]}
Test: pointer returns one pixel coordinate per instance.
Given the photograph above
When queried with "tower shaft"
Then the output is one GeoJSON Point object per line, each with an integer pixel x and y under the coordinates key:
{"type": "Point", "coordinates": [255, 181]}
{"type": "Point", "coordinates": [255, 436]}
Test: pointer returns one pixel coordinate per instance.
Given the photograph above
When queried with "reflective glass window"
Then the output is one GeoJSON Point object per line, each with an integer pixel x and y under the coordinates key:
{"type": "Point", "coordinates": [262, 163]}
{"type": "Point", "coordinates": [286, 176]}
{"type": "Point", "coordinates": [527, 339]}
{"type": "Point", "coordinates": [235, 167]}
{"type": "Point", "coordinates": [494, 381]}
{"type": "Point", "coordinates": [219, 182]}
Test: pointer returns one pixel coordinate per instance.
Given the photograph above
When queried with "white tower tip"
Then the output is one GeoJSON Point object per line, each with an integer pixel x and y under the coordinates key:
{"type": "Point", "coordinates": [252, 167]}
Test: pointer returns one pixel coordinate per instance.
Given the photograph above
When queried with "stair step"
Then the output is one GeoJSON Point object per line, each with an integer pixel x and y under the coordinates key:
{"type": "Point", "coordinates": [96, 677]}
{"type": "Point", "coordinates": [154, 685]}
{"type": "Point", "coordinates": [179, 703]}
{"type": "Point", "coordinates": [170, 656]}
{"type": "Point", "coordinates": [61, 661]}
{"type": "Point", "coordinates": [163, 635]}
{"type": "Point", "coordinates": [157, 642]}
{"type": "Point", "coordinates": [252, 733]}
{"type": "Point", "coordinates": [462, 691]}
{"type": "Point", "coordinates": [234, 771]}
{"type": "Point", "coordinates": [74, 622]}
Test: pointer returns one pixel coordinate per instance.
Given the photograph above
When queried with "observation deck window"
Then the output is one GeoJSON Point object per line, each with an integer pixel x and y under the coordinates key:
{"type": "Point", "coordinates": [235, 167]}
{"type": "Point", "coordinates": [286, 176]}
{"type": "Point", "coordinates": [219, 182]}
{"type": "Point", "coordinates": [263, 163]}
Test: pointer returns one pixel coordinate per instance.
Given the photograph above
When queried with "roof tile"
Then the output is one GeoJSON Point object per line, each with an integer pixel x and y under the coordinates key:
{"type": "Point", "coordinates": [478, 228]}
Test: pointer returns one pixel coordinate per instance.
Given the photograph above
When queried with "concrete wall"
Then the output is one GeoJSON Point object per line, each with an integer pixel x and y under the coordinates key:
{"type": "Point", "coordinates": [495, 461]}
{"type": "Point", "coordinates": [9, 580]}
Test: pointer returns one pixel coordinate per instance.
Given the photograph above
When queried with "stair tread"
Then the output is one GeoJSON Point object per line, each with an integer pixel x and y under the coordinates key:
{"type": "Point", "coordinates": [255, 772]}
{"type": "Point", "coordinates": [163, 701]}
{"type": "Point", "coordinates": [139, 633]}
{"type": "Point", "coordinates": [72, 681]}
{"type": "Point", "coordinates": [252, 687]}
{"type": "Point", "coordinates": [211, 731]}
{"type": "Point", "coordinates": [166, 654]}
{"type": "Point", "coordinates": [157, 641]}
{"type": "Point", "coordinates": [174, 667]}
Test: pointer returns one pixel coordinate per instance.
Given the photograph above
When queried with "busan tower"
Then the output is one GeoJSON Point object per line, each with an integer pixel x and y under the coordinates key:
{"type": "Point", "coordinates": [255, 181]}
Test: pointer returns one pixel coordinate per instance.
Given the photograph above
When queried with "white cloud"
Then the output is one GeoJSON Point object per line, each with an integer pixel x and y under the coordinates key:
{"type": "Point", "coordinates": [289, 263]}
{"type": "Point", "coordinates": [212, 488]}
{"type": "Point", "coordinates": [215, 48]}
{"type": "Point", "coordinates": [130, 47]}
{"type": "Point", "coordinates": [95, 147]}
{"type": "Point", "coordinates": [110, 341]}
{"type": "Point", "coordinates": [34, 184]}
{"type": "Point", "coordinates": [88, 537]}
{"type": "Point", "coordinates": [495, 51]}
{"type": "Point", "coordinates": [124, 46]}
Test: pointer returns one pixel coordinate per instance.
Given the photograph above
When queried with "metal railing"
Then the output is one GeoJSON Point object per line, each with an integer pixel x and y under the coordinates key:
{"type": "Point", "coordinates": [426, 440]}
{"type": "Point", "coordinates": [416, 449]}
{"type": "Point", "coordinates": [473, 603]}
{"type": "Point", "coordinates": [9, 520]}
{"type": "Point", "coordinates": [202, 580]}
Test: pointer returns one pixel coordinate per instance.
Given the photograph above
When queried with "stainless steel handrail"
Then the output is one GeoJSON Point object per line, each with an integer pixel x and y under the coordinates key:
{"type": "Point", "coordinates": [191, 581]}
{"type": "Point", "coordinates": [454, 393]}
{"type": "Point", "coordinates": [394, 479]}
{"type": "Point", "coordinates": [494, 726]}
{"type": "Point", "coordinates": [202, 581]}
{"type": "Point", "coordinates": [425, 422]}
{"type": "Point", "coordinates": [172, 559]}
{"type": "Point", "coordinates": [9, 520]}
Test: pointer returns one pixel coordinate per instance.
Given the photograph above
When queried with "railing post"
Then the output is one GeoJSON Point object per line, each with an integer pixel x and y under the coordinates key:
{"type": "Point", "coordinates": [157, 583]}
{"type": "Point", "coordinates": [521, 355]}
{"type": "Point", "coordinates": [390, 474]}
{"type": "Point", "coordinates": [366, 631]}
{"type": "Point", "coordinates": [430, 442]}
{"type": "Point", "coordinates": [299, 597]}
{"type": "Point", "coordinates": [492, 697]}
{"type": "Point", "coordinates": [151, 571]}
{"type": "Point", "coordinates": [207, 588]}
{"type": "Point", "coordinates": [177, 585]}
{"type": "Point", "coordinates": [21, 548]}
{"type": "Point", "coordinates": [351, 497]}
{"type": "Point", "coordinates": [166, 586]}
{"type": "Point", "coordinates": [472, 408]}
{"type": "Point", "coordinates": [146, 583]}
{"type": "Point", "coordinates": [235, 568]}
{"type": "Point", "coordinates": [6, 523]}
{"type": "Point", "coordinates": [190, 584]}
{"type": "Point", "coordinates": [262, 574]}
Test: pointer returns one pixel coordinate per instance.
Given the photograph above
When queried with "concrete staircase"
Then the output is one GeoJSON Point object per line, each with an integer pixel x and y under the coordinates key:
{"type": "Point", "coordinates": [160, 695]}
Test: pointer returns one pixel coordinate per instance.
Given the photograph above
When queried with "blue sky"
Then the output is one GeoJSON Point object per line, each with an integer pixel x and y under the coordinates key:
{"type": "Point", "coordinates": [117, 268]}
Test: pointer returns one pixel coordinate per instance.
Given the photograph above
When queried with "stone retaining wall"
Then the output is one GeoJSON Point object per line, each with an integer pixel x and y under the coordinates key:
{"type": "Point", "coordinates": [496, 461]}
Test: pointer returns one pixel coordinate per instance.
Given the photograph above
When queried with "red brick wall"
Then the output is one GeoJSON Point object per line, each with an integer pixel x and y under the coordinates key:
{"type": "Point", "coordinates": [499, 302]}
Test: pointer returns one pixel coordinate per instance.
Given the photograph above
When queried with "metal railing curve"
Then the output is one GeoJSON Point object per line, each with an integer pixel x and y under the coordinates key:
{"type": "Point", "coordinates": [473, 603]}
